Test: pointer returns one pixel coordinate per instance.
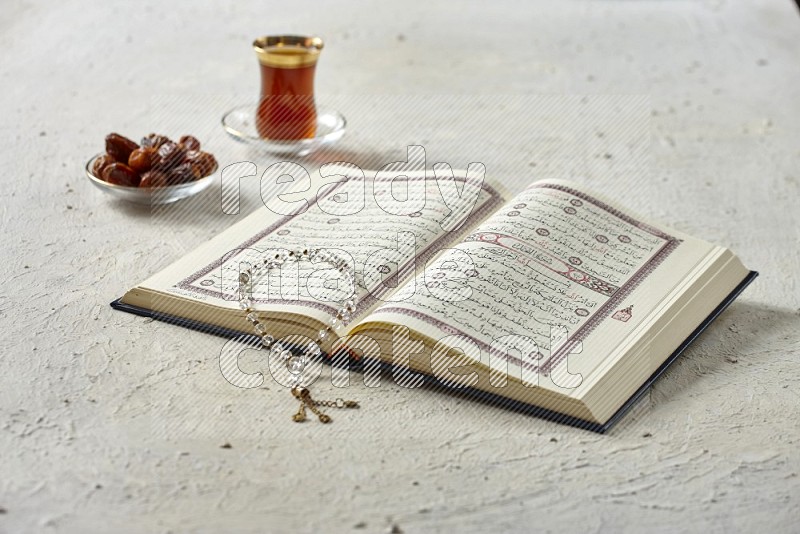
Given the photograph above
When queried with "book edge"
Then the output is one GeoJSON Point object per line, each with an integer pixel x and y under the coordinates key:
{"type": "Point", "coordinates": [494, 399]}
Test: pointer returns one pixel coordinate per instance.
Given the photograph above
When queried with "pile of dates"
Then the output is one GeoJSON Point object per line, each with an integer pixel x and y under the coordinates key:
{"type": "Point", "coordinates": [155, 162]}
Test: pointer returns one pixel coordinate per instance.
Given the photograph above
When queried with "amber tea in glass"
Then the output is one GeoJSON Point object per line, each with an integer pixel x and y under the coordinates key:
{"type": "Point", "coordinates": [286, 109]}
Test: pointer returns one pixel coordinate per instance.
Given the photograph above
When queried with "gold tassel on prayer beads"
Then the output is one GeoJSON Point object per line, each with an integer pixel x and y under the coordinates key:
{"type": "Point", "coordinates": [304, 396]}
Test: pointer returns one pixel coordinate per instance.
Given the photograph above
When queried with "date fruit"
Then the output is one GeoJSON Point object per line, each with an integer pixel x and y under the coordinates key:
{"type": "Point", "coordinates": [182, 174]}
{"type": "Point", "coordinates": [158, 162]}
{"type": "Point", "coordinates": [119, 147]}
{"type": "Point", "coordinates": [154, 140]}
{"type": "Point", "coordinates": [100, 164]}
{"type": "Point", "coordinates": [189, 142]}
{"type": "Point", "coordinates": [121, 174]}
{"type": "Point", "coordinates": [141, 159]}
{"type": "Point", "coordinates": [202, 162]}
{"type": "Point", "coordinates": [153, 179]}
{"type": "Point", "coordinates": [169, 155]}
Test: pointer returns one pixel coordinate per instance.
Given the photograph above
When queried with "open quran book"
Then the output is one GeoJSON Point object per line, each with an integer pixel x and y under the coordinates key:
{"type": "Point", "coordinates": [555, 299]}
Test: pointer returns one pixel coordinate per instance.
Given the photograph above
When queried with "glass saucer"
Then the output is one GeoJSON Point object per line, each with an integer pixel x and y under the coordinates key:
{"type": "Point", "coordinates": [240, 124]}
{"type": "Point", "coordinates": [149, 196]}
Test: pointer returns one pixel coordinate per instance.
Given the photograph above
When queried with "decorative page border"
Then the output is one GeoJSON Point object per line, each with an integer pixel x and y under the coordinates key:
{"type": "Point", "coordinates": [596, 318]}
{"type": "Point", "coordinates": [367, 301]}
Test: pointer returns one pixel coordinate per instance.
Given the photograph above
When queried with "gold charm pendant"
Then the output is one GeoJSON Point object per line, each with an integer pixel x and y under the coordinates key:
{"type": "Point", "coordinates": [300, 416]}
{"type": "Point", "coordinates": [304, 396]}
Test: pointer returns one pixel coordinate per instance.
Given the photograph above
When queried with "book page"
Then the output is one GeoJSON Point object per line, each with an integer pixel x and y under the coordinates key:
{"type": "Point", "coordinates": [349, 219]}
{"type": "Point", "coordinates": [541, 275]}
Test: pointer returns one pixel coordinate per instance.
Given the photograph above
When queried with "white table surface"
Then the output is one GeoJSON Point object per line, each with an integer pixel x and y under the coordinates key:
{"type": "Point", "coordinates": [110, 422]}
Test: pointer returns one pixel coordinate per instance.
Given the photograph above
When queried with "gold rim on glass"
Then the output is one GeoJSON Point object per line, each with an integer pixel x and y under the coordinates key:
{"type": "Point", "coordinates": [288, 51]}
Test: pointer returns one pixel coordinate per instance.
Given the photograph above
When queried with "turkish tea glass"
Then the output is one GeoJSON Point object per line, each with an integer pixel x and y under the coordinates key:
{"type": "Point", "coordinates": [286, 109]}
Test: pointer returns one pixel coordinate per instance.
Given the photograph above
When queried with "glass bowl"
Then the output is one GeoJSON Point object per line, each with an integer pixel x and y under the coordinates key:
{"type": "Point", "coordinates": [152, 195]}
{"type": "Point", "coordinates": [240, 124]}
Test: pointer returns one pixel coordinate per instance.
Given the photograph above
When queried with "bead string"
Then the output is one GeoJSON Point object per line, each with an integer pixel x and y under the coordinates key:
{"type": "Point", "coordinates": [297, 363]}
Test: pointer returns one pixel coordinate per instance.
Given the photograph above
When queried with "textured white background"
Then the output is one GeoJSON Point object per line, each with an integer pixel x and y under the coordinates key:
{"type": "Point", "coordinates": [112, 422]}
